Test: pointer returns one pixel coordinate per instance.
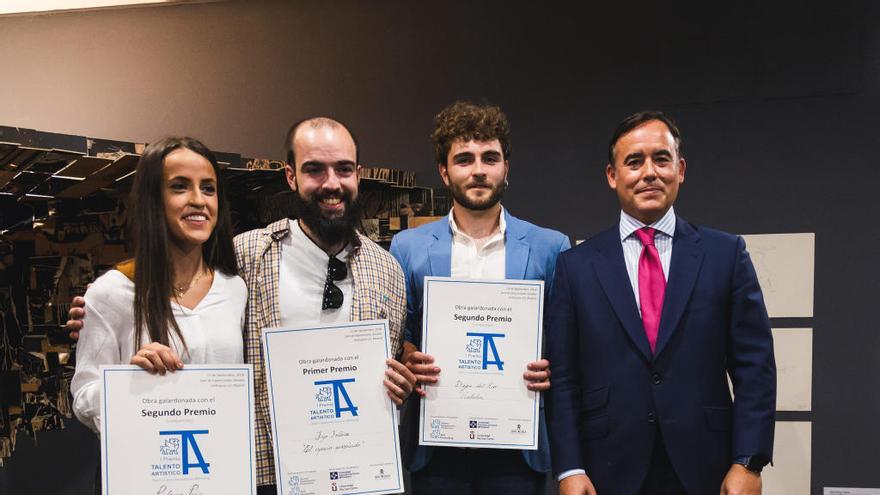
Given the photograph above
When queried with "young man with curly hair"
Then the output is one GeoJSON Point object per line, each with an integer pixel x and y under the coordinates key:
{"type": "Point", "coordinates": [479, 239]}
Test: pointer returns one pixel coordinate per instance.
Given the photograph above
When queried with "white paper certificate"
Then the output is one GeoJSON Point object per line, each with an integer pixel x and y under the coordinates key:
{"type": "Point", "coordinates": [334, 429]}
{"type": "Point", "coordinates": [187, 432]}
{"type": "Point", "coordinates": [481, 334]}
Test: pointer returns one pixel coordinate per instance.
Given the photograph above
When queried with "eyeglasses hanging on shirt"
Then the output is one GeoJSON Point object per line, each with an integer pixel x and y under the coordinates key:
{"type": "Point", "coordinates": [336, 271]}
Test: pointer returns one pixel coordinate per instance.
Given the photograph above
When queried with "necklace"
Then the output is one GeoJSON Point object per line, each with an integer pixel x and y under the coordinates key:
{"type": "Point", "coordinates": [180, 291]}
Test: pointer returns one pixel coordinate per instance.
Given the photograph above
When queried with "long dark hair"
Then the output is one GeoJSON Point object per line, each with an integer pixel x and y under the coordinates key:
{"type": "Point", "coordinates": [153, 269]}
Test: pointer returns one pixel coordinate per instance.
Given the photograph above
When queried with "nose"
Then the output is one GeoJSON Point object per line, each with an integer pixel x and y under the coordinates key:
{"type": "Point", "coordinates": [197, 198]}
{"type": "Point", "coordinates": [332, 181]}
{"type": "Point", "coordinates": [649, 170]}
{"type": "Point", "coordinates": [479, 167]}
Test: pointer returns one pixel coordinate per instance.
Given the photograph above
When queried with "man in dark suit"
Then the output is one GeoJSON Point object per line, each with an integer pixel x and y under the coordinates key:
{"type": "Point", "coordinates": [646, 322]}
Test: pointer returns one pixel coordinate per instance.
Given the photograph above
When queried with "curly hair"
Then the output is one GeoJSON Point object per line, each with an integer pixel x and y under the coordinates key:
{"type": "Point", "coordinates": [469, 121]}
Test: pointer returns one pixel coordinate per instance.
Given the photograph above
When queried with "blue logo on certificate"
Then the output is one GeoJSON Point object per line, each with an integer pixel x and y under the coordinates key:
{"type": "Point", "coordinates": [293, 483]}
{"type": "Point", "coordinates": [481, 352]}
{"type": "Point", "coordinates": [171, 447]}
{"type": "Point", "coordinates": [179, 453]}
{"type": "Point", "coordinates": [332, 400]}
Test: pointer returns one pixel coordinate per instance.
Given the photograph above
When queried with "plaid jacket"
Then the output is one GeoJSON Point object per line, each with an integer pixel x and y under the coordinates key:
{"type": "Point", "coordinates": [379, 292]}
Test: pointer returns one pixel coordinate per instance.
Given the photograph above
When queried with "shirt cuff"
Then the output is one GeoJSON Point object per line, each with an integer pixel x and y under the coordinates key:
{"type": "Point", "coordinates": [570, 472]}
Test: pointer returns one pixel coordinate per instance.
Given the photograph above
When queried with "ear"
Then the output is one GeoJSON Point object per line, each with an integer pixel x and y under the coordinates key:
{"type": "Point", "coordinates": [290, 175]}
{"type": "Point", "coordinates": [682, 165]}
{"type": "Point", "coordinates": [506, 168]}
{"type": "Point", "coordinates": [444, 173]}
{"type": "Point", "coordinates": [611, 175]}
{"type": "Point", "coordinates": [357, 171]}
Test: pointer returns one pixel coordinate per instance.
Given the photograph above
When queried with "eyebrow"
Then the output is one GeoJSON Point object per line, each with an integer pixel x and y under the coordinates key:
{"type": "Point", "coordinates": [323, 164]}
{"type": "Point", "coordinates": [637, 154]}
{"type": "Point", "coordinates": [187, 179]}
{"type": "Point", "coordinates": [463, 154]}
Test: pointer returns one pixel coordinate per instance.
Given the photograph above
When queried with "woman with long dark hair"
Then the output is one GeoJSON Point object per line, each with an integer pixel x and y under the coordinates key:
{"type": "Point", "coordinates": [180, 298]}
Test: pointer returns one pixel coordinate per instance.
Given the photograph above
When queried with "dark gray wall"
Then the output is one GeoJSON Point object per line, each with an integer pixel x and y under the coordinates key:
{"type": "Point", "coordinates": [777, 104]}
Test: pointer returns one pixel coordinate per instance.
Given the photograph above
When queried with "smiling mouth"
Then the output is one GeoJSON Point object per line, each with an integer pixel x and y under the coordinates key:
{"type": "Point", "coordinates": [196, 217]}
{"type": "Point", "coordinates": [331, 202]}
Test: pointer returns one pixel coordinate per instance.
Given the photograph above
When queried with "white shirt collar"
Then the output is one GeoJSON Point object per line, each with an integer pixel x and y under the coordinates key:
{"type": "Point", "coordinates": [629, 224]}
{"type": "Point", "coordinates": [502, 226]}
{"type": "Point", "coordinates": [309, 249]}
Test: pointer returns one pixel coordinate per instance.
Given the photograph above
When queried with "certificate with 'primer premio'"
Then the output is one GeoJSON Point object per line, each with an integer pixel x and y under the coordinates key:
{"type": "Point", "coordinates": [482, 335]}
{"type": "Point", "coordinates": [334, 428]}
{"type": "Point", "coordinates": [186, 432]}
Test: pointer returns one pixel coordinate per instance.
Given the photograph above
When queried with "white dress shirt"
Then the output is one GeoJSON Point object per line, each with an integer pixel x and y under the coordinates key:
{"type": "Point", "coordinates": [632, 251]}
{"type": "Point", "coordinates": [470, 260]}
{"type": "Point", "coordinates": [212, 332]}
{"type": "Point", "coordinates": [632, 246]}
{"type": "Point", "coordinates": [301, 278]}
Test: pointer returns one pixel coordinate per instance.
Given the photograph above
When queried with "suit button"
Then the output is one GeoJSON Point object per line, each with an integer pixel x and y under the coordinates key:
{"type": "Point", "coordinates": [656, 378]}
{"type": "Point", "coordinates": [651, 417]}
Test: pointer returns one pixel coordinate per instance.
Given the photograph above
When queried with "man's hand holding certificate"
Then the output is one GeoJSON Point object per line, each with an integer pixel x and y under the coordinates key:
{"type": "Point", "coordinates": [481, 334]}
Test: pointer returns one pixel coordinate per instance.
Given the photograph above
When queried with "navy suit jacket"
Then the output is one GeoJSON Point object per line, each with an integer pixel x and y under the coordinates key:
{"type": "Point", "coordinates": [530, 253]}
{"type": "Point", "coordinates": [610, 394]}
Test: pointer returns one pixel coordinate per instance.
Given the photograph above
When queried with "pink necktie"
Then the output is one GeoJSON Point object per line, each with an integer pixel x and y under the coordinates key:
{"type": "Point", "coordinates": [652, 285]}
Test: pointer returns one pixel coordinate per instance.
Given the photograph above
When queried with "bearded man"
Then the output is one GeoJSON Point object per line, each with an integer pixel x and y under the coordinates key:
{"type": "Point", "coordinates": [314, 269]}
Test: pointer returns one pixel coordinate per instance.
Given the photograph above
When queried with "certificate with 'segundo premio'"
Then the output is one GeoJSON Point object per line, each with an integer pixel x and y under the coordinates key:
{"type": "Point", "coordinates": [334, 428]}
{"type": "Point", "coordinates": [482, 335]}
{"type": "Point", "coordinates": [186, 432]}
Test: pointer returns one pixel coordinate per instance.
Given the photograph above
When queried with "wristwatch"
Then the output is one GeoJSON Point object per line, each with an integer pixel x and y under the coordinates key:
{"type": "Point", "coordinates": [753, 463]}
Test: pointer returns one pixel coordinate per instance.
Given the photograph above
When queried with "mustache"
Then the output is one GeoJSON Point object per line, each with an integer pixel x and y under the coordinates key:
{"type": "Point", "coordinates": [344, 195]}
{"type": "Point", "coordinates": [457, 192]}
{"type": "Point", "coordinates": [479, 183]}
{"type": "Point", "coordinates": [329, 230]}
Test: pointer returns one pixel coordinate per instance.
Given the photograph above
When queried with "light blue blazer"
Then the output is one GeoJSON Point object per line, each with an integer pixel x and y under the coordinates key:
{"type": "Point", "coordinates": [530, 254]}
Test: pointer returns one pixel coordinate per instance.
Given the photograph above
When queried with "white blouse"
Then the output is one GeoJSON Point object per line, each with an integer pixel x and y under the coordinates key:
{"type": "Point", "coordinates": [303, 271]}
{"type": "Point", "coordinates": [213, 332]}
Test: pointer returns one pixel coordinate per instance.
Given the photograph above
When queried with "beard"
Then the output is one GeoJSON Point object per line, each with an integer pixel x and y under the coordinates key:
{"type": "Point", "coordinates": [330, 231]}
{"type": "Point", "coordinates": [459, 194]}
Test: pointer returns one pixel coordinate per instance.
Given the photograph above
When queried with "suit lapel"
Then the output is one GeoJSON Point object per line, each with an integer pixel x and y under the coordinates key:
{"type": "Point", "coordinates": [615, 282]}
{"type": "Point", "coordinates": [516, 249]}
{"type": "Point", "coordinates": [440, 251]}
{"type": "Point", "coordinates": [687, 257]}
